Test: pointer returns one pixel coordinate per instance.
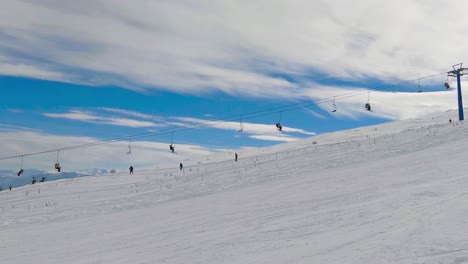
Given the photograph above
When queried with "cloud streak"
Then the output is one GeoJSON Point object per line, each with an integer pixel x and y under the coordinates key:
{"type": "Point", "coordinates": [92, 118]}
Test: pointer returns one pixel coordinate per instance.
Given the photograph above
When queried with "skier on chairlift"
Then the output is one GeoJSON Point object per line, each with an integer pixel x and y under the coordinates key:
{"type": "Point", "coordinates": [57, 167]}
{"type": "Point", "coordinates": [279, 126]}
{"type": "Point", "coordinates": [368, 107]}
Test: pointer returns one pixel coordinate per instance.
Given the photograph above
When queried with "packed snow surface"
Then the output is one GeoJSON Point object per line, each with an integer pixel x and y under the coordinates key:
{"type": "Point", "coordinates": [393, 193]}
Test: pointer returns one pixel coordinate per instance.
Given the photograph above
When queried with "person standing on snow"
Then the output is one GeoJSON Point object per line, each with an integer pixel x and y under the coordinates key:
{"type": "Point", "coordinates": [235, 157]}
{"type": "Point", "coordinates": [131, 169]}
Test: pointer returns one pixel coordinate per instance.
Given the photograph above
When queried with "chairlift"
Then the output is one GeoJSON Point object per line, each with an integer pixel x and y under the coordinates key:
{"type": "Point", "coordinates": [20, 172]}
{"type": "Point", "coordinates": [278, 125]}
{"type": "Point", "coordinates": [420, 89]}
{"type": "Point", "coordinates": [241, 126]}
{"type": "Point", "coordinates": [367, 105]}
{"type": "Point", "coordinates": [447, 85]}
{"type": "Point", "coordinates": [171, 146]}
{"type": "Point", "coordinates": [334, 105]}
{"type": "Point", "coordinates": [57, 164]}
{"type": "Point", "coordinates": [129, 146]}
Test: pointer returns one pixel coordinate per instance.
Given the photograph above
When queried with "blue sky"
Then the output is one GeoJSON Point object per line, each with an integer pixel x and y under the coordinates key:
{"type": "Point", "coordinates": [114, 112]}
{"type": "Point", "coordinates": [75, 73]}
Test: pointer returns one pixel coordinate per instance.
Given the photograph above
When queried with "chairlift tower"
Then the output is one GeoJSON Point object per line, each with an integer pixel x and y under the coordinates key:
{"type": "Point", "coordinates": [457, 72]}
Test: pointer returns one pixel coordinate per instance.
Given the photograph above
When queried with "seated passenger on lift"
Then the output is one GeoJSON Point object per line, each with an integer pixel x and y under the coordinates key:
{"type": "Point", "coordinates": [368, 107]}
{"type": "Point", "coordinates": [279, 126]}
{"type": "Point", "coordinates": [57, 166]}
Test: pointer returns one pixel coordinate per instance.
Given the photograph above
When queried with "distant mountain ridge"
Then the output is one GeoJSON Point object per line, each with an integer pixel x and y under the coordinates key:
{"type": "Point", "coordinates": [8, 177]}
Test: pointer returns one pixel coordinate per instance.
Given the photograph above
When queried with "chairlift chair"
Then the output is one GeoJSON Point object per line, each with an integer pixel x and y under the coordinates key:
{"type": "Point", "coordinates": [446, 84]}
{"type": "Point", "coordinates": [334, 105]}
{"type": "Point", "coordinates": [57, 167]}
{"type": "Point", "coordinates": [368, 107]}
{"type": "Point", "coordinates": [57, 164]}
{"type": "Point", "coordinates": [171, 146]}
{"type": "Point", "coordinates": [278, 125]}
{"type": "Point", "coordinates": [129, 147]}
{"type": "Point", "coordinates": [20, 172]}
{"type": "Point", "coordinates": [241, 126]}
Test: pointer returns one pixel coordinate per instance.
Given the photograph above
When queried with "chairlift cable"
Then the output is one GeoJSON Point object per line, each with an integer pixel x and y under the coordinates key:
{"type": "Point", "coordinates": [209, 123]}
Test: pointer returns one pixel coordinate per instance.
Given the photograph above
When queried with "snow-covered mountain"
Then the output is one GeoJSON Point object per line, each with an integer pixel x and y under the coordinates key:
{"type": "Point", "coordinates": [393, 193]}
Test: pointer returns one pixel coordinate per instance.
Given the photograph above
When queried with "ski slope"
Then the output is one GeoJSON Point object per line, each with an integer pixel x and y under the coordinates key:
{"type": "Point", "coordinates": [393, 193]}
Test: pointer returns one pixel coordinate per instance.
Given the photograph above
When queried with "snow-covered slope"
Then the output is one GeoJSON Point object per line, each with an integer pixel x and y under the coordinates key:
{"type": "Point", "coordinates": [394, 193]}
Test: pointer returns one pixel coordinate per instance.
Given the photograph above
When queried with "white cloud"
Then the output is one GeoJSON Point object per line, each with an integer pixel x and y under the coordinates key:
{"type": "Point", "coordinates": [237, 48]}
{"type": "Point", "coordinates": [5, 127]}
{"type": "Point", "coordinates": [74, 115]}
{"type": "Point", "coordinates": [127, 112]}
{"type": "Point", "coordinates": [274, 138]}
{"type": "Point", "coordinates": [92, 118]}
{"type": "Point", "coordinates": [31, 71]}
{"type": "Point", "coordinates": [14, 110]}
{"type": "Point", "coordinates": [230, 46]}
